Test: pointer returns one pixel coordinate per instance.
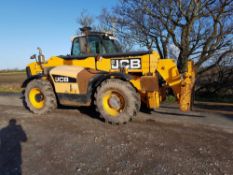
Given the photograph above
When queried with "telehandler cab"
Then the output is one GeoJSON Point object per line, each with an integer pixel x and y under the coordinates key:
{"type": "Point", "coordinates": [98, 73]}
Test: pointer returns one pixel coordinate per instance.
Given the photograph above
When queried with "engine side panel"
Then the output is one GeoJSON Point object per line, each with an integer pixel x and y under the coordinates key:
{"type": "Point", "coordinates": [73, 84]}
{"type": "Point", "coordinates": [65, 79]}
{"type": "Point", "coordinates": [66, 85]}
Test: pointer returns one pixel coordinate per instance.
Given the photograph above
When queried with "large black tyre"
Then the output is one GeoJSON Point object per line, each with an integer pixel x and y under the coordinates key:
{"type": "Point", "coordinates": [117, 101]}
{"type": "Point", "coordinates": [39, 97]}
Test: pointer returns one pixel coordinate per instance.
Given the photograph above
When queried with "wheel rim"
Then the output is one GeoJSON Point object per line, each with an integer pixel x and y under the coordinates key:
{"type": "Point", "coordinates": [36, 98]}
{"type": "Point", "coordinates": [113, 103]}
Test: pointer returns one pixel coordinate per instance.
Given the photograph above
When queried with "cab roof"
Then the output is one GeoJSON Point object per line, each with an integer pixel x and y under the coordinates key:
{"type": "Point", "coordinates": [95, 33]}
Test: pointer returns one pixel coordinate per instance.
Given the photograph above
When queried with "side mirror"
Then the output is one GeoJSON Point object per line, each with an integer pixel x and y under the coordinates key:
{"type": "Point", "coordinates": [33, 57]}
{"type": "Point", "coordinates": [41, 57]}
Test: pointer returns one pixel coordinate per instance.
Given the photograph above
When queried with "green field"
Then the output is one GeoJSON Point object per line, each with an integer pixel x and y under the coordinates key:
{"type": "Point", "coordinates": [11, 81]}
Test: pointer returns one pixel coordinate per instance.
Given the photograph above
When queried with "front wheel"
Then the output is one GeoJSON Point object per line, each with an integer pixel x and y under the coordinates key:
{"type": "Point", "coordinates": [117, 101]}
{"type": "Point", "coordinates": [39, 97]}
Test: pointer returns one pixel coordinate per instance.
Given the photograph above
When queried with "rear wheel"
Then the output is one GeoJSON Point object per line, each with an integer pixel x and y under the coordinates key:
{"type": "Point", "coordinates": [117, 101]}
{"type": "Point", "coordinates": [39, 97]}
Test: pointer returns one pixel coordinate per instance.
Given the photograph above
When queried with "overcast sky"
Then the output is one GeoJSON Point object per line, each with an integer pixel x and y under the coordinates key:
{"type": "Point", "coordinates": [50, 24]}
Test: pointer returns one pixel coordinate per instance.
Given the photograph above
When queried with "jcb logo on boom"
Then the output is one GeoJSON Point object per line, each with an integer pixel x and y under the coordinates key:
{"type": "Point", "coordinates": [134, 63]}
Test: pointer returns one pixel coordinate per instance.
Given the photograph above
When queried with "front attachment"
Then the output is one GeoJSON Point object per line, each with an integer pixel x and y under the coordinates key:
{"type": "Point", "coordinates": [187, 87]}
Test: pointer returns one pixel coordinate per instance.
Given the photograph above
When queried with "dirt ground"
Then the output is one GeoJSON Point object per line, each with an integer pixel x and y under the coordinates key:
{"type": "Point", "coordinates": [75, 141]}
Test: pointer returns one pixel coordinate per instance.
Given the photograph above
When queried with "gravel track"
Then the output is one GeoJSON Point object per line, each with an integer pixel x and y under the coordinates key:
{"type": "Point", "coordinates": [75, 141]}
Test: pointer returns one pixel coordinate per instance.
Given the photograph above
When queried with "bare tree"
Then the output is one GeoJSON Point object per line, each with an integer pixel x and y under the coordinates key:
{"type": "Point", "coordinates": [108, 22]}
{"type": "Point", "coordinates": [85, 20]}
{"type": "Point", "coordinates": [217, 81]}
{"type": "Point", "coordinates": [200, 29]}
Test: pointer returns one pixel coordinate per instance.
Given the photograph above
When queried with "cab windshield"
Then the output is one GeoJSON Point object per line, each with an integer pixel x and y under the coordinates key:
{"type": "Point", "coordinates": [95, 45]}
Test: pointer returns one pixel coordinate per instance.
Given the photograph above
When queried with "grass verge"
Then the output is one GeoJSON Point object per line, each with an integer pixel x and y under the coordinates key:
{"type": "Point", "coordinates": [10, 89]}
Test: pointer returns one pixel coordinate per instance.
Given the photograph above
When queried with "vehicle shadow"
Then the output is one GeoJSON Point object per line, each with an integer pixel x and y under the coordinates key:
{"type": "Point", "coordinates": [217, 107]}
{"type": "Point", "coordinates": [89, 111]}
{"type": "Point", "coordinates": [221, 109]}
{"type": "Point", "coordinates": [11, 138]}
{"type": "Point", "coordinates": [178, 114]}
{"type": "Point", "coordinates": [229, 117]}
{"type": "Point", "coordinates": [168, 109]}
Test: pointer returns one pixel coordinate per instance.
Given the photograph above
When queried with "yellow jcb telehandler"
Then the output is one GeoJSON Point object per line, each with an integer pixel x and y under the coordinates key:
{"type": "Point", "coordinates": [98, 73]}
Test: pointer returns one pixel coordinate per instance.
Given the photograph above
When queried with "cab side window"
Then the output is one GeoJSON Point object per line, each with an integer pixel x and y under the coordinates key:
{"type": "Point", "coordinates": [76, 48]}
{"type": "Point", "coordinates": [83, 46]}
{"type": "Point", "coordinates": [79, 47]}
{"type": "Point", "coordinates": [94, 45]}
{"type": "Point", "coordinates": [87, 45]}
